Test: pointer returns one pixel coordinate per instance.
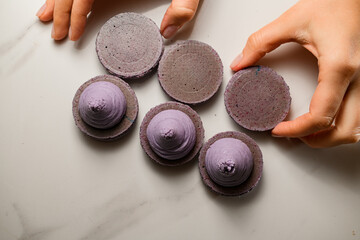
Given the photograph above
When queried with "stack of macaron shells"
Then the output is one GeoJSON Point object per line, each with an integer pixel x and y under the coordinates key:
{"type": "Point", "coordinates": [129, 45]}
{"type": "Point", "coordinates": [231, 163]}
{"type": "Point", "coordinates": [105, 107]}
{"type": "Point", "coordinates": [190, 71]}
{"type": "Point", "coordinates": [257, 98]}
{"type": "Point", "coordinates": [171, 134]}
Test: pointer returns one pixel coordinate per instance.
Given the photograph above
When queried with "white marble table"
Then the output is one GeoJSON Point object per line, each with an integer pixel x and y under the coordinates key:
{"type": "Point", "coordinates": [55, 183]}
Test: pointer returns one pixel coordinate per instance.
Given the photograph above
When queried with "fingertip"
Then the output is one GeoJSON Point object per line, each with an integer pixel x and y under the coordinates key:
{"type": "Point", "coordinates": [71, 36]}
{"type": "Point", "coordinates": [75, 34]}
{"type": "Point", "coordinates": [278, 130]}
{"type": "Point", "coordinates": [170, 31]}
{"type": "Point", "coordinates": [45, 13]}
{"type": "Point", "coordinates": [58, 34]}
{"type": "Point", "coordinates": [178, 13]}
{"type": "Point", "coordinates": [236, 63]}
{"type": "Point", "coordinates": [41, 10]}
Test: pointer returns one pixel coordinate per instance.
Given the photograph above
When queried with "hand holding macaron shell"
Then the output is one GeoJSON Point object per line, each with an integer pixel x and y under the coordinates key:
{"type": "Point", "coordinates": [330, 31]}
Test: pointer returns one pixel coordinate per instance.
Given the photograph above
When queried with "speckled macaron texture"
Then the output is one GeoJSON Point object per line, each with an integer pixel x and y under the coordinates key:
{"type": "Point", "coordinates": [129, 45]}
{"type": "Point", "coordinates": [251, 181]}
{"type": "Point", "coordinates": [198, 127]}
{"type": "Point", "coordinates": [190, 71]}
{"type": "Point", "coordinates": [126, 122]}
{"type": "Point", "coordinates": [257, 98]}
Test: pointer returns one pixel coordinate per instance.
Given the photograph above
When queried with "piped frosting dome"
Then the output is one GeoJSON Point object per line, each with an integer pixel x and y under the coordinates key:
{"type": "Point", "coordinates": [102, 105]}
{"type": "Point", "coordinates": [229, 162]}
{"type": "Point", "coordinates": [171, 134]}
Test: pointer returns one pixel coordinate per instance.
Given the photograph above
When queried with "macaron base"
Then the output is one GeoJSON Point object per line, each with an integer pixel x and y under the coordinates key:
{"type": "Point", "coordinates": [254, 177]}
{"type": "Point", "coordinates": [190, 71]}
{"type": "Point", "coordinates": [138, 37]}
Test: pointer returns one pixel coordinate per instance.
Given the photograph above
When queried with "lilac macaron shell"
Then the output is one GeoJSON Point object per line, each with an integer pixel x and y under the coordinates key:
{"type": "Point", "coordinates": [129, 45]}
{"type": "Point", "coordinates": [257, 98]}
{"type": "Point", "coordinates": [198, 127]}
{"type": "Point", "coordinates": [119, 129]}
{"type": "Point", "coordinates": [190, 71]}
{"type": "Point", "coordinates": [248, 184]}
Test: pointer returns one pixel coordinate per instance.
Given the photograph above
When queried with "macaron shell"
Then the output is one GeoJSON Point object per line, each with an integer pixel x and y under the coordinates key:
{"type": "Point", "coordinates": [195, 119]}
{"type": "Point", "coordinates": [257, 98]}
{"type": "Point", "coordinates": [129, 45]}
{"type": "Point", "coordinates": [127, 121]}
{"type": "Point", "coordinates": [190, 71]}
{"type": "Point", "coordinates": [254, 177]}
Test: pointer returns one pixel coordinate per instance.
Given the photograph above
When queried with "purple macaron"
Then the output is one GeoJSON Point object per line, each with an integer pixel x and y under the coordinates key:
{"type": "Point", "coordinates": [190, 71]}
{"type": "Point", "coordinates": [129, 45]}
{"type": "Point", "coordinates": [231, 163]}
{"type": "Point", "coordinates": [105, 107]}
{"type": "Point", "coordinates": [257, 98]}
{"type": "Point", "coordinates": [171, 134]}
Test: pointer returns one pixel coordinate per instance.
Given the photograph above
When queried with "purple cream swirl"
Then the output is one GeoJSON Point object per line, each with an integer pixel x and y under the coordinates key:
{"type": "Point", "coordinates": [171, 134]}
{"type": "Point", "coordinates": [102, 105]}
{"type": "Point", "coordinates": [229, 162]}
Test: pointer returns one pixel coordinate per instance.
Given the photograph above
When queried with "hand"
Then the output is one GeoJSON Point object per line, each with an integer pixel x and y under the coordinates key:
{"type": "Point", "coordinates": [329, 29]}
{"type": "Point", "coordinates": [69, 16]}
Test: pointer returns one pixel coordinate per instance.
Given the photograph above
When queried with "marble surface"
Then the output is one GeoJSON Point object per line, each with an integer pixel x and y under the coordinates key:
{"type": "Point", "coordinates": [55, 183]}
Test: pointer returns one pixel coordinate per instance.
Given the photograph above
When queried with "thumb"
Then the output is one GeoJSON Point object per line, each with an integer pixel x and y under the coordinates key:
{"type": "Point", "coordinates": [179, 12]}
{"type": "Point", "coordinates": [265, 40]}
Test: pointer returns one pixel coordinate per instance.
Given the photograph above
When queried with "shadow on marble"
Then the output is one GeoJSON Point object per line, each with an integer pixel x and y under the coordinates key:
{"type": "Point", "coordinates": [170, 172]}
{"type": "Point", "coordinates": [205, 106]}
{"type": "Point", "coordinates": [115, 145]}
{"type": "Point", "coordinates": [291, 55]}
{"type": "Point", "coordinates": [335, 166]}
{"type": "Point", "coordinates": [105, 9]}
{"type": "Point", "coordinates": [229, 204]}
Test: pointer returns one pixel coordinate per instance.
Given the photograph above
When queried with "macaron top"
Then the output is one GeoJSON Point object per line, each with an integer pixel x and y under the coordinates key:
{"type": "Point", "coordinates": [190, 71]}
{"type": "Point", "coordinates": [102, 105]}
{"type": "Point", "coordinates": [103, 109]}
{"type": "Point", "coordinates": [229, 162]}
{"type": "Point", "coordinates": [227, 167]}
{"type": "Point", "coordinates": [257, 98]}
{"type": "Point", "coordinates": [171, 134]}
{"type": "Point", "coordinates": [129, 45]}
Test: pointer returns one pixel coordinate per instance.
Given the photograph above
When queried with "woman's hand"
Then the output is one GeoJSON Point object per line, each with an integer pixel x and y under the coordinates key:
{"type": "Point", "coordinates": [69, 16]}
{"type": "Point", "coordinates": [330, 30]}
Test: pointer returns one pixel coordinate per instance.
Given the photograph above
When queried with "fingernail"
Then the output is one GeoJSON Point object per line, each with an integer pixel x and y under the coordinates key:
{"type": "Point", "coordinates": [236, 61]}
{"type": "Point", "coordinates": [70, 33]}
{"type": "Point", "coordinates": [276, 136]}
{"type": "Point", "coordinates": [41, 10]}
{"type": "Point", "coordinates": [170, 31]}
{"type": "Point", "coordinates": [53, 32]}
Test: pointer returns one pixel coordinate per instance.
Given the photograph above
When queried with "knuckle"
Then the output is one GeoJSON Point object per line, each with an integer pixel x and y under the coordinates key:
{"type": "Point", "coordinates": [353, 139]}
{"type": "Point", "coordinates": [323, 122]}
{"type": "Point", "coordinates": [344, 64]}
{"type": "Point", "coordinates": [355, 136]}
{"type": "Point", "coordinates": [183, 14]}
{"type": "Point", "coordinates": [254, 41]}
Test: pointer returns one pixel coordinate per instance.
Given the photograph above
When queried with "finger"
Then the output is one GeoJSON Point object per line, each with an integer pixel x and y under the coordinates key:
{"type": "Point", "coordinates": [347, 124]}
{"type": "Point", "coordinates": [179, 12]}
{"type": "Point", "coordinates": [324, 105]}
{"type": "Point", "coordinates": [61, 19]}
{"type": "Point", "coordinates": [284, 29]}
{"type": "Point", "coordinates": [79, 12]}
{"type": "Point", "coordinates": [46, 12]}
